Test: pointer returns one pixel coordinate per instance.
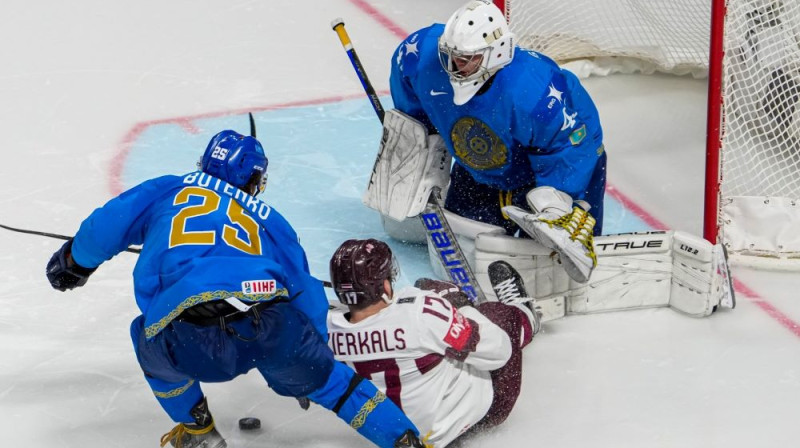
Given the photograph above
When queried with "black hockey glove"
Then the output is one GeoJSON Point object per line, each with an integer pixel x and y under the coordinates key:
{"type": "Point", "coordinates": [410, 440]}
{"type": "Point", "coordinates": [448, 290]}
{"type": "Point", "coordinates": [63, 273]}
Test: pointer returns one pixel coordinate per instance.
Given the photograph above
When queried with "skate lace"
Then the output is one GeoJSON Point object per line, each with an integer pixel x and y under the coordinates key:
{"type": "Point", "coordinates": [178, 433]}
{"type": "Point", "coordinates": [507, 291]}
{"type": "Point", "coordinates": [580, 226]}
{"type": "Point", "coordinates": [425, 440]}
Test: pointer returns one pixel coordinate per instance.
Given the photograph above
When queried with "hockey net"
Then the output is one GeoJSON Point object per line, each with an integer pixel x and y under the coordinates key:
{"type": "Point", "coordinates": [753, 177]}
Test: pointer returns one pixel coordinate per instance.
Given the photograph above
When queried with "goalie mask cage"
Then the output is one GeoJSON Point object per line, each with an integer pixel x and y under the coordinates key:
{"type": "Point", "coordinates": [750, 51]}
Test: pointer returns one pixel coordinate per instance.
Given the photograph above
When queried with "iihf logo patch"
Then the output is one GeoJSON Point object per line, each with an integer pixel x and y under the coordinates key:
{"type": "Point", "coordinates": [258, 287]}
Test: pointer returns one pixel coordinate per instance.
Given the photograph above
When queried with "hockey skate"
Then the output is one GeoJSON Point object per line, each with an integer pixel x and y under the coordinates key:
{"type": "Point", "coordinates": [411, 440]}
{"type": "Point", "coordinates": [510, 290]}
{"type": "Point", "coordinates": [202, 434]}
{"type": "Point", "coordinates": [570, 235]}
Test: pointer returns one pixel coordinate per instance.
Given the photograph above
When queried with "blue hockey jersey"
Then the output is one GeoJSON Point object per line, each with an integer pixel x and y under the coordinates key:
{"type": "Point", "coordinates": [203, 240]}
{"type": "Point", "coordinates": [535, 120]}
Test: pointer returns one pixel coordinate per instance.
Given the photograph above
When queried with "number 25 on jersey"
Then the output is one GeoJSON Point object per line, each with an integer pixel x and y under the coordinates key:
{"type": "Point", "coordinates": [210, 203]}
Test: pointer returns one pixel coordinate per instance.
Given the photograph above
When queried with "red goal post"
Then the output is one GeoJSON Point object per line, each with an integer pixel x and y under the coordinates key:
{"type": "Point", "coordinates": [750, 51]}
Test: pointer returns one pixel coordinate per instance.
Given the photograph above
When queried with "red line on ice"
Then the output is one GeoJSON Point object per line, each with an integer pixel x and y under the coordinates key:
{"type": "Point", "coordinates": [740, 287]}
{"type": "Point", "coordinates": [187, 122]}
{"type": "Point", "coordinates": [379, 17]}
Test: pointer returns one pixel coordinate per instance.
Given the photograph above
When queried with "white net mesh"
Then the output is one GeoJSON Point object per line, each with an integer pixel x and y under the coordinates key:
{"type": "Point", "coordinates": [762, 89]}
{"type": "Point", "coordinates": [761, 132]}
{"type": "Point", "coordinates": [760, 155]}
{"type": "Point", "coordinates": [670, 35]}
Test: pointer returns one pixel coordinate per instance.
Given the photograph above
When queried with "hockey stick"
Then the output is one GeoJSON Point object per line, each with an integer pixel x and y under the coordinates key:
{"type": "Point", "coordinates": [252, 125]}
{"type": "Point", "coordinates": [57, 236]}
{"type": "Point", "coordinates": [439, 232]}
{"type": "Point", "coordinates": [133, 250]}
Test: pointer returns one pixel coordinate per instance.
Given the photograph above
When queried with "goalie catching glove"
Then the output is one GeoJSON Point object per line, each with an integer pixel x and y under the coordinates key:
{"type": "Point", "coordinates": [409, 165]}
{"type": "Point", "coordinates": [560, 226]}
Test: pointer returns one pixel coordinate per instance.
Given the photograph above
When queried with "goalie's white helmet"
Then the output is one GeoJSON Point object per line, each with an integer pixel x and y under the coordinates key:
{"type": "Point", "coordinates": [476, 43]}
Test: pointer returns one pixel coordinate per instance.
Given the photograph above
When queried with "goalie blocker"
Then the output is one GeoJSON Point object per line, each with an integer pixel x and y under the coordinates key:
{"type": "Point", "coordinates": [409, 165]}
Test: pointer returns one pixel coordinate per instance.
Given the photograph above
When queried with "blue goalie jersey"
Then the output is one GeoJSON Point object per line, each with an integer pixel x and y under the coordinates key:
{"type": "Point", "coordinates": [534, 122]}
{"type": "Point", "coordinates": [203, 240]}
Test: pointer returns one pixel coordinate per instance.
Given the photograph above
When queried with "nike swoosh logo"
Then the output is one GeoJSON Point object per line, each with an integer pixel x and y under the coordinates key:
{"type": "Point", "coordinates": [435, 93]}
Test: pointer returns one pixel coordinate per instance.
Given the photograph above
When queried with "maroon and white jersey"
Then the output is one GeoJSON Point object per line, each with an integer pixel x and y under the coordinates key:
{"type": "Point", "coordinates": [431, 359]}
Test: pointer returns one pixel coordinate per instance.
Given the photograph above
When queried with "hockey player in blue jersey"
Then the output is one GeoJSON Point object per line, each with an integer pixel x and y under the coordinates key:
{"type": "Point", "coordinates": [223, 286]}
{"type": "Point", "coordinates": [524, 133]}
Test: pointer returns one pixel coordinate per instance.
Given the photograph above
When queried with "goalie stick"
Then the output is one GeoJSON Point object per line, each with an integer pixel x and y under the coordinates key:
{"type": "Point", "coordinates": [433, 219]}
{"type": "Point", "coordinates": [338, 26]}
{"type": "Point", "coordinates": [448, 249]}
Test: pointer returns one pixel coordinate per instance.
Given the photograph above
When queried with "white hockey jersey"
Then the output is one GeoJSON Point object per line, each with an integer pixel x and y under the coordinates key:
{"type": "Point", "coordinates": [429, 358]}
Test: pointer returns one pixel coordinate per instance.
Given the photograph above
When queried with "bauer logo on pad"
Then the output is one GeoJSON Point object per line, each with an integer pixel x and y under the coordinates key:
{"type": "Point", "coordinates": [258, 286]}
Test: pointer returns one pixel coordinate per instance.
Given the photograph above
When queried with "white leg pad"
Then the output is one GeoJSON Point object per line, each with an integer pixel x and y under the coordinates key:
{"type": "Point", "coordinates": [695, 290]}
{"type": "Point", "coordinates": [649, 270]}
{"type": "Point", "coordinates": [633, 272]}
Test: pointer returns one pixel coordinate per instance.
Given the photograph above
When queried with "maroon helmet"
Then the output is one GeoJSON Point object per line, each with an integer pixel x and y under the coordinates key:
{"type": "Point", "coordinates": [358, 269]}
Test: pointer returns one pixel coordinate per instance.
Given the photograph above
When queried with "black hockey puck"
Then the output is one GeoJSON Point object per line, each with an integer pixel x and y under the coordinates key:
{"type": "Point", "coordinates": [249, 423]}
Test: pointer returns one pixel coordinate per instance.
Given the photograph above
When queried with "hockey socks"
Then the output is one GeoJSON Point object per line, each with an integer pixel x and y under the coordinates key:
{"type": "Point", "coordinates": [361, 405]}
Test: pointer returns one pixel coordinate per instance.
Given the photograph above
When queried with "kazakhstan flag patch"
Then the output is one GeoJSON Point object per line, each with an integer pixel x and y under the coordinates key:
{"type": "Point", "coordinates": [577, 135]}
